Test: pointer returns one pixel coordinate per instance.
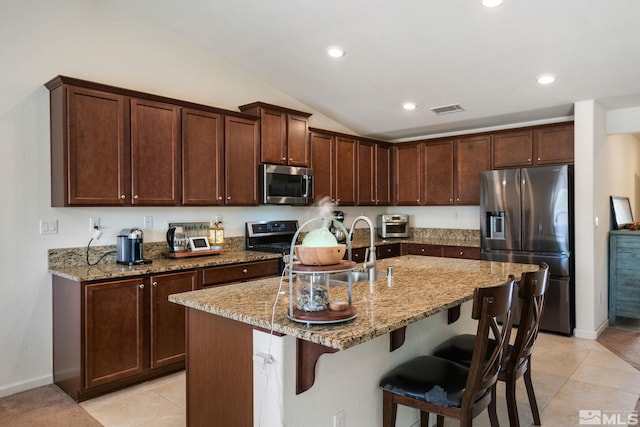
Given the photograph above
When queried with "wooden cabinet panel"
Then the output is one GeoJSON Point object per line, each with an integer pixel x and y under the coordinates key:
{"type": "Point", "coordinates": [322, 155]}
{"type": "Point", "coordinates": [88, 148]}
{"type": "Point", "coordinates": [554, 145]}
{"type": "Point", "coordinates": [407, 169]}
{"type": "Point", "coordinates": [284, 134]}
{"type": "Point", "coordinates": [366, 173]}
{"type": "Point", "coordinates": [438, 173]}
{"type": "Point", "coordinates": [513, 149]}
{"type": "Point", "coordinates": [423, 249]}
{"type": "Point", "coordinates": [461, 252]}
{"type": "Point", "coordinates": [226, 274]}
{"type": "Point", "coordinates": [473, 155]}
{"type": "Point", "coordinates": [114, 325]}
{"type": "Point", "coordinates": [168, 319]}
{"type": "Point", "coordinates": [202, 158]}
{"type": "Point", "coordinates": [388, 251]}
{"type": "Point", "coordinates": [383, 175]}
{"type": "Point", "coordinates": [241, 161]}
{"type": "Point", "coordinates": [345, 161]}
{"type": "Point", "coordinates": [155, 153]}
{"type": "Point", "coordinates": [298, 140]}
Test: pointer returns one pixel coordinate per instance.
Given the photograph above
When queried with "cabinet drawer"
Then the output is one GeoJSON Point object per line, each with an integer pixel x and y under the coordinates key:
{"type": "Point", "coordinates": [425, 250]}
{"type": "Point", "coordinates": [388, 251]}
{"type": "Point", "coordinates": [240, 272]}
{"type": "Point", "coordinates": [461, 252]}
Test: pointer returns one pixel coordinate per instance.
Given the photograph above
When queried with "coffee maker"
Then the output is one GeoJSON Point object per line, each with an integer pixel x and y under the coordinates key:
{"type": "Point", "coordinates": [129, 248]}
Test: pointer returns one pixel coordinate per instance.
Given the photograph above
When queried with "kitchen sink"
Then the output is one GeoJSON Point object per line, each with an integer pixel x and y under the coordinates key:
{"type": "Point", "coordinates": [356, 276]}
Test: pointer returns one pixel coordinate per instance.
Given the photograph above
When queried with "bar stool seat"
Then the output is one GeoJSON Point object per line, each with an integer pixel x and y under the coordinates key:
{"type": "Point", "coordinates": [436, 385]}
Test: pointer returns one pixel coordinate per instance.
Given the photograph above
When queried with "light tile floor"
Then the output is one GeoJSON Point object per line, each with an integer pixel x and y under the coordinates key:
{"type": "Point", "coordinates": [569, 374]}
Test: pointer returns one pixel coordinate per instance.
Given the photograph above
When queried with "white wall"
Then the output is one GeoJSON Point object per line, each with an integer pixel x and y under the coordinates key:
{"type": "Point", "coordinates": [624, 169]}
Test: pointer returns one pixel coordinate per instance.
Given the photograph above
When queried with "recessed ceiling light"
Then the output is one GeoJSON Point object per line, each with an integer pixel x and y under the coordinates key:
{"type": "Point", "coordinates": [491, 3]}
{"type": "Point", "coordinates": [336, 51]}
{"type": "Point", "coordinates": [546, 79]}
{"type": "Point", "coordinates": [409, 105]}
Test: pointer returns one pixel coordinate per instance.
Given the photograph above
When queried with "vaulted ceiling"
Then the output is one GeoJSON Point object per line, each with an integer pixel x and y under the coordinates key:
{"type": "Point", "coordinates": [428, 52]}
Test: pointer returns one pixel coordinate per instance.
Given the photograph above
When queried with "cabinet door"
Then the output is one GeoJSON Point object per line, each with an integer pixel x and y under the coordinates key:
{"type": "Point", "coordinates": [298, 140]}
{"type": "Point", "coordinates": [202, 158]}
{"type": "Point", "coordinates": [214, 276]}
{"type": "Point", "coordinates": [473, 155]}
{"type": "Point", "coordinates": [167, 318]}
{"type": "Point", "coordinates": [438, 173]}
{"type": "Point", "coordinates": [512, 149]}
{"type": "Point", "coordinates": [322, 154]}
{"type": "Point", "coordinates": [388, 251]}
{"type": "Point", "coordinates": [241, 144]}
{"type": "Point", "coordinates": [345, 161]}
{"type": "Point", "coordinates": [554, 145]}
{"type": "Point", "coordinates": [155, 153]}
{"type": "Point", "coordinates": [113, 331]}
{"type": "Point", "coordinates": [366, 173]}
{"type": "Point", "coordinates": [383, 175]}
{"type": "Point", "coordinates": [273, 137]}
{"type": "Point", "coordinates": [95, 173]}
{"type": "Point", "coordinates": [408, 174]}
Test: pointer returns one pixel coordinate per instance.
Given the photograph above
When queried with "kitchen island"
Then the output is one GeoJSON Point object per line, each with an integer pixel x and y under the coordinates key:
{"type": "Point", "coordinates": [246, 360]}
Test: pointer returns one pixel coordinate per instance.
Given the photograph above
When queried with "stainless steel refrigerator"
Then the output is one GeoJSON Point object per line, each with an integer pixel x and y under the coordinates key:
{"type": "Point", "coordinates": [526, 215]}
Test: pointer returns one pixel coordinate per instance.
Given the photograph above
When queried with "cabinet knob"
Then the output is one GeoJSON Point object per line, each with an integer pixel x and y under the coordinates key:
{"type": "Point", "coordinates": [528, 160]}
{"type": "Point", "coordinates": [458, 199]}
{"type": "Point", "coordinates": [284, 158]}
{"type": "Point", "coordinates": [461, 253]}
{"type": "Point", "coordinates": [122, 196]}
{"type": "Point", "coordinates": [135, 197]}
{"type": "Point", "coordinates": [538, 158]}
{"type": "Point", "coordinates": [141, 285]}
{"type": "Point", "coordinates": [417, 200]}
{"type": "Point", "coordinates": [219, 197]}
{"type": "Point", "coordinates": [245, 271]}
{"type": "Point", "coordinates": [389, 250]}
{"type": "Point", "coordinates": [228, 197]}
{"type": "Point", "coordinates": [422, 250]}
{"type": "Point", "coordinates": [290, 159]}
{"type": "Point", "coordinates": [155, 283]}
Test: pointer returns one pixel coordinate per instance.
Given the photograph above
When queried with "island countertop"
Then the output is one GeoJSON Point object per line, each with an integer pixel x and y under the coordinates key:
{"type": "Point", "coordinates": [420, 287]}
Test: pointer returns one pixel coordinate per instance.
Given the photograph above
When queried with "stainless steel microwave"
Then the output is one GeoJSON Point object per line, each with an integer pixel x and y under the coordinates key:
{"type": "Point", "coordinates": [285, 185]}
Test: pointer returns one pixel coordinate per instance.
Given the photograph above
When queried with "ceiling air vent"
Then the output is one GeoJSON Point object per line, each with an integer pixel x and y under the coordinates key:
{"type": "Point", "coordinates": [446, 109]}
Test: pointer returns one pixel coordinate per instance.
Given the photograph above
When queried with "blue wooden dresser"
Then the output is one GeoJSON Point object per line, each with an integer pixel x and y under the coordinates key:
{"type": "Point", "coordinates": [624, 275]}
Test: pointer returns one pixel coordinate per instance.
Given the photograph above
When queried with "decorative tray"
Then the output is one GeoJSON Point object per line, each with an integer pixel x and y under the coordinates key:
{"type": "Point", "coordinates": [189, 254]}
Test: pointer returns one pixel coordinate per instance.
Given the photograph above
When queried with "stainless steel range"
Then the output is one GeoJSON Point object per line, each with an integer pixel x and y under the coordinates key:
{"type": "Point", "coordinates": [270, 236]}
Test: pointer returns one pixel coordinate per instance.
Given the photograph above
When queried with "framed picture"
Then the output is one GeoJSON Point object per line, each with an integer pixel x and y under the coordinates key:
{"type": "Point", "coordinates": [621, 214]}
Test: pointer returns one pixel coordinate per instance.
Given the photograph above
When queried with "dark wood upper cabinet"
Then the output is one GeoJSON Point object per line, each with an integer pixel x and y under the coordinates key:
{"type": "Point", "coordinates": [554, 145]}
{"type": "Point", "coordinates": [407, 167]}
{"type": "Point", "coordinates": [284, 134]}
{"type": "Point", "coordinates": [366, 173]}
{"type": "Point", "coordinates": [472, 156]}
{"type": "Point", "coordinates": [322, 162]}
{"type": "Point", "coordinates": [155, 153]}
{"type": "Point", "coordinates": [383, 175]}
{"type": "Point", "coordinates": [202, 158]}
{"type": "Point", "coordinates": [345, 161]}
{"type": "Point", "coordinates": [439, 173]}
{"type": "Point", "coordinates": [535, 146]}
{"type": "Point", "coordinates": [89, 147]}
{"type": "Point", "coordinates": [241, 145]}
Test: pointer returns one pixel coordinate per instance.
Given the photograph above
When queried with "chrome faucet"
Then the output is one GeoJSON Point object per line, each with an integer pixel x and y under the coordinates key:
{"type": "Point", "coordinates": [370, 257]}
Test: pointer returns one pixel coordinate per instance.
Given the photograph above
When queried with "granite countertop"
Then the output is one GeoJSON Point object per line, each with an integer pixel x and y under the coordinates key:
{"type": "Point", "coordinates": [420, 286]}
{"type": "Point", "coordinates": [77, 269]}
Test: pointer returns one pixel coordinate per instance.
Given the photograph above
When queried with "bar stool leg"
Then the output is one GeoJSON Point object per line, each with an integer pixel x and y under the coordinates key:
{"type": "Point", "coordinates": [532, 396]}
{"type": "Point", "coordinates": [389, 410]}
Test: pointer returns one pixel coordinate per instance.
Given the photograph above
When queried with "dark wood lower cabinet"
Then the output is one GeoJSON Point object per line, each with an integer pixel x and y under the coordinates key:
{"type": "Point", "coordinates": [112, 334]}
{"type": "Point", "coordinates": [463, 252]}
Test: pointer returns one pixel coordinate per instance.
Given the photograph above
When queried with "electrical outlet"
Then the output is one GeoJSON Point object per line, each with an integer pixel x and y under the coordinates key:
{"type": "Point", "coordinates": [94, 223]}
{"type": "Point", "coordinates": [338, 419]}
{"type": "Point", "coordinates": [48, 226]}
{"type": "Point", "coordinates": [148, 222]}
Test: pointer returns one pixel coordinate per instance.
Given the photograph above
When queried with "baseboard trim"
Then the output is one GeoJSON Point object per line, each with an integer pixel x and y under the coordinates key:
{"type": "Point", "coordinates": [591, 335]}
{"type": "Point", "coordinates": [25, 385]}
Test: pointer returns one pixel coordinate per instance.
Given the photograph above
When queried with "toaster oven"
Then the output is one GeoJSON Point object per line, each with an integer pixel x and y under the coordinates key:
{"type": "Point", "coordinates": [396, 225]}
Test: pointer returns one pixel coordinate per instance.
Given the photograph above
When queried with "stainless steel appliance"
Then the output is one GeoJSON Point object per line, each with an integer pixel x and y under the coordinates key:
{"type": "Point", "coordinates": [129, 248]}
{"type": "Point", "coordinates": [337, 230]}
{"type": "Point", "coordinates": [526, 215]}
{"type": "Point", "coordinates": [396, 225]}
{"type": "Point", "coordinates": [285, 185]}
{"type": "Point", "coordinates": [270, 236]}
